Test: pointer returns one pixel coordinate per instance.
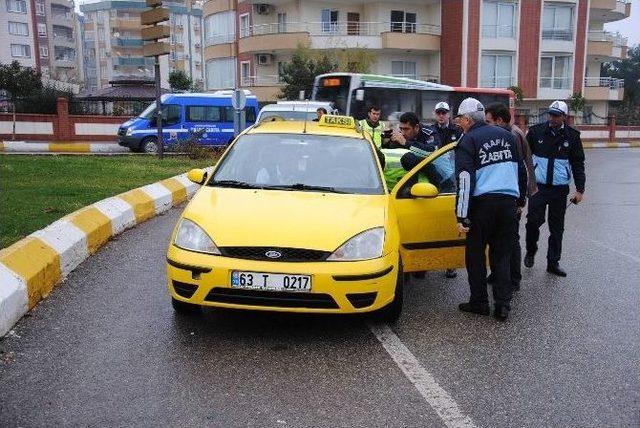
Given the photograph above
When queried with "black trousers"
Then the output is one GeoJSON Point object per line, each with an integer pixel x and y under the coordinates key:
{"type": "Point", "coordinates": [555, 197]}
{"type": "Point", "coordinates": [493, 219]}
{"type": "Point", "coordinates": [515, 260]}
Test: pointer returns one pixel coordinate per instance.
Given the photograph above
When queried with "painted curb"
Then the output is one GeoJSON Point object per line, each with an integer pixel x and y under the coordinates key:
{"type": "Point", "coordinates": [32, 267]}
{"type": "Point", "coordinates": [60, 147]}
{"type": "Point", "coordinates": [605, 145]}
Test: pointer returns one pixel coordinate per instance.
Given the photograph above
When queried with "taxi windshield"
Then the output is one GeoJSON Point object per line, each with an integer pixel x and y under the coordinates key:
{"type": "Point", "coordinates": [300, 162]}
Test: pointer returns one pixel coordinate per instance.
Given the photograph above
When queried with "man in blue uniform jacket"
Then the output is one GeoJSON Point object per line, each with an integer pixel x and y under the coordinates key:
{"type": "Point", "coordinates": [491, 183]}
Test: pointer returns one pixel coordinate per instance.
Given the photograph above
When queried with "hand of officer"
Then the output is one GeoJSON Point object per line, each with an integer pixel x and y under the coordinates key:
{"type": "Point", "coordinates": [462, 228]}
{"type": "Point", "coordinates": [577, 198]}
{"type": "Point", "coordinates": [397, 137]}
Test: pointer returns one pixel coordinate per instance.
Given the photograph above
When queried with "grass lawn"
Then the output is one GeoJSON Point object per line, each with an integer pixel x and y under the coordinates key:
{"type": "Point", "coordinates": [37, 190]}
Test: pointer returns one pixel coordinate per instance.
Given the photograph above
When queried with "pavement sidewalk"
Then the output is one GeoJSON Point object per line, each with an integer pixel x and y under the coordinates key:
{"type": "Point", "coordinates": [8, 146]}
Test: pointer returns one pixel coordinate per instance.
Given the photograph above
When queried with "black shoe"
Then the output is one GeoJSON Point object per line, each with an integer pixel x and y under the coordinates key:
{"type": "Point", "coordinates": [450, 273]}
{"type": "Point", "coordinates": [501, 313]}
{"type": "Point", "coordinates": [529, 259]}
{"type": "Point", "coordinates": [556, 270]}
{"type": "Point", "coordinates": [480, 310]}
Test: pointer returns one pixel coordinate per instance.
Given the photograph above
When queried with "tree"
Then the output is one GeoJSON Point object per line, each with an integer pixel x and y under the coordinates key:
{"type": "Point", "coordinates": [356, 60]}
{"type": "Point", "coordinates": [629, 70]}
{"type": "Point", "coordinates": [299, 73]}
{"type": "Point", "coordinates": [179, 81]}
{"type": "Point", "coordinates": [576, 102]}
{"type": "Point", "coordinates": [19, 81]}
{"type": "Point", "coordinates": [517, 91]}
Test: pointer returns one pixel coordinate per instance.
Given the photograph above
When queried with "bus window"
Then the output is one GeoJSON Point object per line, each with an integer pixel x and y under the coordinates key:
{"type": "Point", "coordinates": [334, 89]}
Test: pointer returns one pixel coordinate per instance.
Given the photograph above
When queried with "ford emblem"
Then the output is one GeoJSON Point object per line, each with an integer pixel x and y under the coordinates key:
{"type": "Point", "coordinates": [273, 254]}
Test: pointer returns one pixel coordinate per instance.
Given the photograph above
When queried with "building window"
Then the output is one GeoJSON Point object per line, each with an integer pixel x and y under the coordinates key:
{"type": "Point", "coordinates": [221, 73]}
{"type": "Point", "coordinates": [557, 22]}
{"type": "Point", "coordinates": [497, 70]}
{"type": "Point", "coordinates": [103, 71]}
{"type": "Point", "coordinates": [220, 28]}
{"type": "Point", "coordinates": [498, 20]}
{"type": "Point", "coordinates": [403, 69]}
{"type": "Point", "coordinates": [18, 28]}
{"type": "Point", "coordinates": [245, 73]}
{"type": "Point", "coordinates": [329, 18]}
{"type": "Point", "coordinates": [403, 22]}
{"type": "Point", "coordinates": [44, 52]}
{"type": "Point", "coordinates": [40, 9]}
{"type": "Point", "coordinates": [21, 51]}
{"type": "Point", "coordinates": [282, 22]}
{"type": "Point", "coordinates": [101, 34]}
{"type": "Point", "coordinates": [103, 54]}
{"type": "Point", "coordinates": [17, 6]}
{"type": "Point", "coordinates": [42, 30]}
{"type": "Point", "coordinates": [555, 72]}
{"type": "Point", "coordinates": [244, 25]}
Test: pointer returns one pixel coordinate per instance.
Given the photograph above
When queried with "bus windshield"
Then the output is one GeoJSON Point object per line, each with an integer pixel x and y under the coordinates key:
{"type": "Point", "coordinates": [334, 89]}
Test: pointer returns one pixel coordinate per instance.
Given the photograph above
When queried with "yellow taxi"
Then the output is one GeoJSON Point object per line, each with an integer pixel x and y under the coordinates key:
{"type": "Point", "coordinates": [297, 217]}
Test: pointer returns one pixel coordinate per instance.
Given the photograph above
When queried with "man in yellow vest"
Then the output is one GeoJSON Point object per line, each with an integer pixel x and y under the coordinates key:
{"type": "Point", "coordinates": [373, 125]}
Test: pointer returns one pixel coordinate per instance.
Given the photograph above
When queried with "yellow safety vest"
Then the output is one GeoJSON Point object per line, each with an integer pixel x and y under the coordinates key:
{"type": "Point", "coordinates": [376, 133]}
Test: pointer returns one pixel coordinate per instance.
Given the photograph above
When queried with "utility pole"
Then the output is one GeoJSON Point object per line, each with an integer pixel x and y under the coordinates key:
{"type": "Point", "coordinates": [154, 32]}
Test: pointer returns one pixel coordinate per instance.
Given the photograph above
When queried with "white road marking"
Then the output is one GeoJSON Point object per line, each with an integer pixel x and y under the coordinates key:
{"type": "Point", "coordinates": [602, 244]}
{"type": "Point", "coordinates": [424, 382]}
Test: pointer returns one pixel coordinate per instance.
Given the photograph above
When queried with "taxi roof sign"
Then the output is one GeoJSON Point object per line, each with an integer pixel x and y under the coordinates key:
{"type": "Point", "coordinates": [337, 121]}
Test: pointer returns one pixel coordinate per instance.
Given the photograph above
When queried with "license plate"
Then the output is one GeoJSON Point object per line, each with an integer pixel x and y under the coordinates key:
{"type": "Point", "coordinates": [270, 281]}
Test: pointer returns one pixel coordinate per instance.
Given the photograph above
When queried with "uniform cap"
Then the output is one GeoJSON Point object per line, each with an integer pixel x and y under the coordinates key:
{"type": "Point", "coordinates": [469, 105]}
{"type": "Point", "coordinates": [558, 107]}
{"type": "Point", "coordinates": [442, 106]}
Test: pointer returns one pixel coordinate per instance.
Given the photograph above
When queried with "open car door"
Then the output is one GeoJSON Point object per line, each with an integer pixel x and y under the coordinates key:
{"type": "Point", "coordinates": [428, 235]}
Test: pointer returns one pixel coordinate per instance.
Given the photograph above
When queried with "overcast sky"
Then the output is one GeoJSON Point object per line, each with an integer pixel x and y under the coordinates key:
{"type": "Point", "coordinates": [629, 27]}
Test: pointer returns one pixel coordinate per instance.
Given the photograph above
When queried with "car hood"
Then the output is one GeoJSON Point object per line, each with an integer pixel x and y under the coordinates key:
{"type": "Point", "coordinates": [295, 219]}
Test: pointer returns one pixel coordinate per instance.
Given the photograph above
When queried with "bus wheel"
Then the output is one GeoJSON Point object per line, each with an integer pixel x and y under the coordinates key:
{"type": "Point", "coordinates": [149, 145]}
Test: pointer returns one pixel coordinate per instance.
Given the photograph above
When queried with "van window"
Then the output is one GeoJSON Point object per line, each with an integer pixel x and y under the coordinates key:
{"type": "Point", "coordinates": [171, 112]}
{"type": "Point", "coordinates": [203, 114]}
{"type": "Point", "coordinates": [249, 114]}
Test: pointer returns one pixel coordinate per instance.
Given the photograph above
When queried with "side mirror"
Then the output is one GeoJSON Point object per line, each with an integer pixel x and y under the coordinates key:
{"type": "Point", "coordinates": [197, 175]}
{"type": "Point", "coordinates": [424, 190]}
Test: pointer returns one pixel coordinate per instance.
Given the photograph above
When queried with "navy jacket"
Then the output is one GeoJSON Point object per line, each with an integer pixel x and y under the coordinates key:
{"type": "Point", "coordinates": [426, 141]}
{"type": "Point", "coordinates": [448, 134]}
{"type": "Point", "coordinates": [488, 163]}
{"type": "Point", "coordinates": [557, 155]}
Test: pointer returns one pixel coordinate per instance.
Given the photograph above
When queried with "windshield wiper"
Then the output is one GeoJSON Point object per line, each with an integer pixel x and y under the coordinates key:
{"type": "Point", "coordinates": [308, 187]}
{"type": "Point", "coordinates": [234, 183]}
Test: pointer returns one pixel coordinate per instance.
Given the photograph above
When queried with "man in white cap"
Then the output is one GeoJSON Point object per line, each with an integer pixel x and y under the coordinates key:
{"type": "Point", "coordinates": [449, 131]}
{"type": "Point", "coordinates": [557, 156]}
{"type": "Point", "coordinates": [491, 183]}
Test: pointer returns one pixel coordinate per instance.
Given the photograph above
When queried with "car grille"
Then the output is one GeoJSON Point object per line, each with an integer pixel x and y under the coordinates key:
{"type": "Point", "coordinates": [362, 300]}
{"type": "Point", "coordinates": [184, 289]}
{"type": "Point", "coordinates": [286, 254]}
{"type": "Point", "coordinates": [273, 299]}
{"type": "Point", "coordinates": [122, 132]}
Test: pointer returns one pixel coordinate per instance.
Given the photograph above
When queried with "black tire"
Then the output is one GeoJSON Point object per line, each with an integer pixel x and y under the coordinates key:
{"type": "Point", "coordinates": [391, 313]}
{"type": "Point", "coordinates": [184, 308]}
{"type": "Point", "coordinates": [147, 145]}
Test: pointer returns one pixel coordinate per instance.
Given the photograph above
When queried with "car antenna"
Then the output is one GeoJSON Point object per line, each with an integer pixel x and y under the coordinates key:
{"type": "Point", "coordinates": [304, 131]}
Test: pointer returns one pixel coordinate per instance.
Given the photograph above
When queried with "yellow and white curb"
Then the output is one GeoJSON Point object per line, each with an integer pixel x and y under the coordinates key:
{"type": "Point", "coordinates": [605, 145]}
{"type": "Point", "coordinates": [60, 147]}
{"type": "Point", "coordinates": [33, 266]}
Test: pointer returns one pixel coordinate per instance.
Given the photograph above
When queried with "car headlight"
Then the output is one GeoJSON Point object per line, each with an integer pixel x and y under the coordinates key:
{"type": "Point", "coordinates": [364, 246]}
{"type": "Point", "coordinates": [129, 131]}
{"type": "Point", "coordinates": [191, 237]}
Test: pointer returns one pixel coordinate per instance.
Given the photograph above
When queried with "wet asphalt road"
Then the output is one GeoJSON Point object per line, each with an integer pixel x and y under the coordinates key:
{"type": "Point", "coordinates": [106, 349]}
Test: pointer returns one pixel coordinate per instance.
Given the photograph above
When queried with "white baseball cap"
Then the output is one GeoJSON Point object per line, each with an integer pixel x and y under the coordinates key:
{"type": "Point", "coordinates": [469, 105]}
{"type": "Point", "coordinates": [442, 106]}
{"type": "Point", "coordinates": [558, 107]}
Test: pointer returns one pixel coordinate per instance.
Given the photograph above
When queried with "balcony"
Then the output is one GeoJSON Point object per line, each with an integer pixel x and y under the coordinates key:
{"type": "Point", "coordinates": [126, 23]}
{"type": "Point", "coordinates": [609, 10]}
{"type": "Point", "coordinates": [606, 46]}
{"type": "Point", "coordinates": [64, 19]}
{"type": "Point", "coordinates": [65, 61]}
{"type": "Point", "coordinates": [126, 43]}
{"type": "Point", "coordinates": [603, 88]}
{"type": "Point", "coordinates": [133, 61]}
{"type": "Point", "coordinates": [325, 35]}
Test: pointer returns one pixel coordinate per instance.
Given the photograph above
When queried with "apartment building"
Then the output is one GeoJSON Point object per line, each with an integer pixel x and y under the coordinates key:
{"type": "Point", "coordinates": [16, 27]}
{"type": "Point", "coordinates": [113, 42]}
{"type": "Point", "coordinates": [550, 49]}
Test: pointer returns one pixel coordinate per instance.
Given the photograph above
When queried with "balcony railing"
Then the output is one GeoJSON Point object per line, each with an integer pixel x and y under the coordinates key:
{"type": "Point", "coordinates": [129, 43]}
{"type": "Point", "coordinates": [497, 82]}
{"type": "Point", "coordinates": [499, 31]}
{"type": "Point", "coordinates": [66, 15]}
{"type": "Point", "coordinates": [604, 82]}
{"type": "Point", "coordinates": [563, 34]}
{"type": "Point", "coordinates": [345, 28]}
{"type": "Point", "coordinates": [63, 38]}
{"type": "Point", "coordinates": [607, 36]}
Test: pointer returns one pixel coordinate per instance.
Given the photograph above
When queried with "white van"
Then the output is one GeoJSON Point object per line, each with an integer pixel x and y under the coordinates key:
{"type": "Point", "coordinates": [293, 110]}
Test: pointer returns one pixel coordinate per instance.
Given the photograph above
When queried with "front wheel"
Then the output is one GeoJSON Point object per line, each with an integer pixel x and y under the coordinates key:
{"type": "Point", "coordinates": [392, 312]}
{"type": "Point", "coordinates": [184, 308]}
{"type": "Point", "coordinates": [149, 145]}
